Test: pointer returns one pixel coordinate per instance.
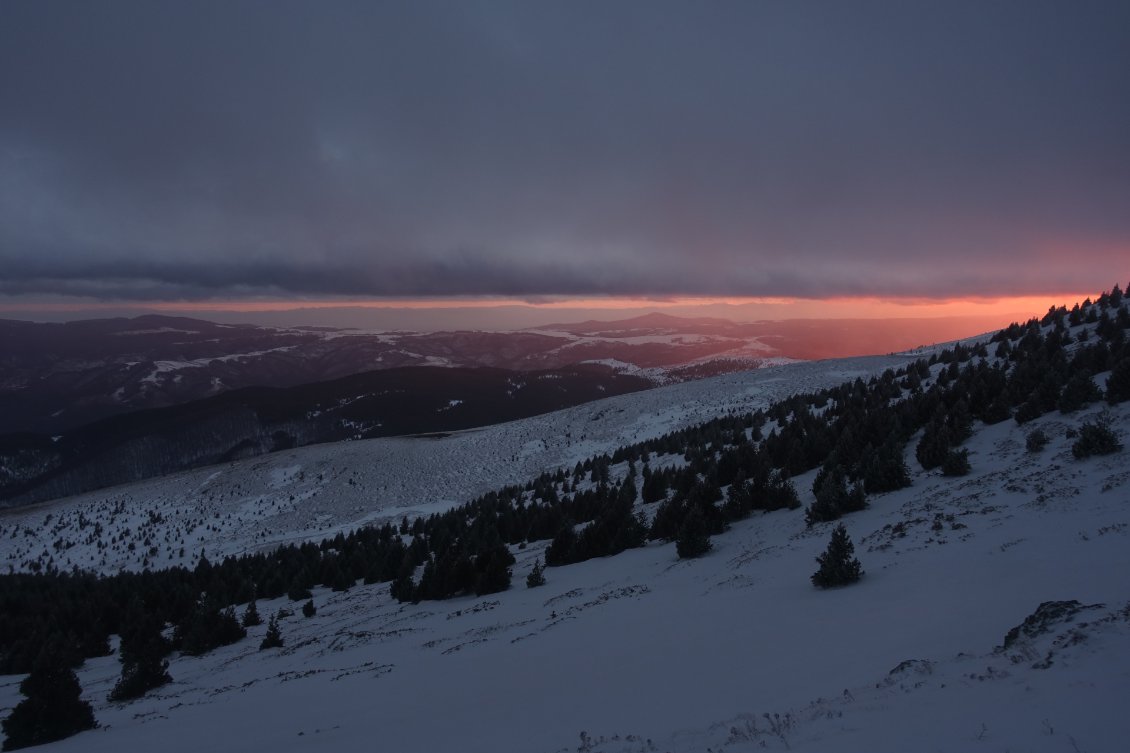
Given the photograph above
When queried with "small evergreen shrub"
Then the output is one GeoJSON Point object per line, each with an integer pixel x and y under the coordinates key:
{"type": "Point", "coordinates": [273, 638]}
{"type": "Point", "coordinates": [308, 609]}
{"type": "Point", "coordinates": [780, 494]}
{"type": "Point", "coordinates": [1095, 439]}
{"type": "Point", "coordinates": [251, 616]}
{"type": "Point", "coordinates": [1036, 440]}
{"type": "Point", "coordinates": [536, 577]}
{"type": "Point", "coordinates": [956, 463]}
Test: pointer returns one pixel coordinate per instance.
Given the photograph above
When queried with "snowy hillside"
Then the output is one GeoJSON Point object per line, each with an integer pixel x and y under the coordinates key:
{"type": "Point", "coordinates": [642, 652]}
{"type": "Point", "coordinates": [314, 491]}
{"type": "Point", "coordinates": [993, 614]}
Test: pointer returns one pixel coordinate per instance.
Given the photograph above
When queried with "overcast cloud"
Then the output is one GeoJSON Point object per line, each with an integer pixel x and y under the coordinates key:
{"type": "Point", "coordinates": [155, 150]}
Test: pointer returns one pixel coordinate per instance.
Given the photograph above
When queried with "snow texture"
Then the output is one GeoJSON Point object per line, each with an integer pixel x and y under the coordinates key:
{"type": "Point", "coordinates": [642, 652]}
{"type": "Point", "coordinates": [244, 506]}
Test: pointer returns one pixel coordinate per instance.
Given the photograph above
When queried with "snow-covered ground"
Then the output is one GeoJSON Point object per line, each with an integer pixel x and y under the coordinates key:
{"type": "Point", "coordinates": [732, 652]}
{"type": "Point", "coordinates": [316, 491]}
{"type": "Point", "coordinates": [641, 652]}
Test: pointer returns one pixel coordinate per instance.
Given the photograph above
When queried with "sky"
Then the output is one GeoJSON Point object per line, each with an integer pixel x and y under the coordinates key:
{"type": "Point", "coordinates": [226, 154]}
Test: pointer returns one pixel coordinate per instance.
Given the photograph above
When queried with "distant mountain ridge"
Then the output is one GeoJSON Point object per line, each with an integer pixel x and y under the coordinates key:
{"type": "Point", "coordinates": [653, 320]}
{"type": "Point", "coordinates": [89, 404]}
{"type": "Point", "coordinates": [57, 377]}
{"type": "Point", "coordinates": [256, 420]}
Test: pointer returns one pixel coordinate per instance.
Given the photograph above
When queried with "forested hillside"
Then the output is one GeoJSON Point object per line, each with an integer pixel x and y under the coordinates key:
{"type": "Point", "coordinates": [681, 488]}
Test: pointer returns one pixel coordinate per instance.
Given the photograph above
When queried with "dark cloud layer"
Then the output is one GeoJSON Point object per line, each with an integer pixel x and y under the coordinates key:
{"type": "Point", "coordinates": [186, 150]}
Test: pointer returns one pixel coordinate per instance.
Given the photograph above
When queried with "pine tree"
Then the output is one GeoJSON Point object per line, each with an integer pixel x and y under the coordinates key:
{"type": "Point", "coordinates": [536, 577]}
{"type": "Point", "coordinates": [560, 551]}
{"type": "Point", "coordinates": [52, 709]}
{"type": "Point", "coordinates": [779, 493]}
{"type": "Point", "coordinates": [251, 616]}
{"type": "Point", "coordinates": [668, 519]}
{"type": "Point", "coordinates": [299, 589]}
{"type": "Point", "coordinates": [493, 569]}
{"type": "Point", "coordinates": [308, 609]}
{"type": "Point", "coordinates": [273, 638]}
{"type": "Point", "coordinates": [654, 486]}
{"type": "Point", "coordinates": [838, 565]}
{"type": "Point", "coordinates": [693, 540]}
{"type": "Point", "coordinates": [1118, 383]}
{"type": "Point", "coordinates": [956, 463]}
{"type": "Point", "coordinates": [142, 652]}
{"type": "Point", "coordinates": [884, 470]}
{"type": "Point", "coordinates": [1079, 391]}
{"type": "Point", "coordinates": [208, 627]}
{"type": "Point", "coordinates": [933, 446]}
{"type": "Point", "coordinates": [833, 497]}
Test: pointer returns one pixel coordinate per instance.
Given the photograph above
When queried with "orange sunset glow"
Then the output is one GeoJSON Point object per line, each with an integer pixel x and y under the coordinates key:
{"type": "Point", "coordinates": [767, 307]}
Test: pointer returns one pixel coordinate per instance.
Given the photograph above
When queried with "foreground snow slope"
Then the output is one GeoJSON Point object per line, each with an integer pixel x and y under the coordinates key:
{"type": "Point", "coordinates": [316, 491]}
{"type": "Point", "coordinates": [642, 652]}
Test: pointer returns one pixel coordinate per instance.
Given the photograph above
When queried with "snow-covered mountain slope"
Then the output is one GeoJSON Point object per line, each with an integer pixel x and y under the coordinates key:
{"type": "Point", "coordinates": [314, 491]}
{"type": "Point", "coordinates": [732, 652]}
{"type": "Point", "coordinates": [55, 378]}
{"type": "Point", "coordinates": [256, 421]}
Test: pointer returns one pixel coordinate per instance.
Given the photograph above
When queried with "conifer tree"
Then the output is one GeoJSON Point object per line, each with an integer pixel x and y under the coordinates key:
{"type": "Point", "coordinates": [560, 551]}
{"type": "Point", "coordinates": [838, 565]}
{"type": "Point", "coordinates": [51, 710]}
{"type": "Point", "coordinates": [493, 566]}
{"type": "Point", "coordinates": [536, 577]}
{"type": "Point", "coordinates": [273, 638]}
{"type": "Point", "coordinates": [308, 609]}
{"type": "Point", "coordinates": [956, 463]}
{"type": "Point", "coordinates": [933, 446]}
{"type": "Point", "coordinates": [833, 497]}
{"type": "Point", "coordinates": [1118, 383]}
{"type": "Point", "coordinates": [298, 590]}
{"type": "Point", "coordinates": [142, 652]}
{"type": "Point", "coordinates": [654, 485]}
{"type": "Point", "coordinates": [403, 588]}
{"type": "Point", "coordinates": [693, 540]}
{"type": "Point", "coordinates": [208, 627]}
{"type": "Point", "coordinates": [884, 470]}
{"type": "Point", "coordinates": [779, 493]}
{"type": "Point", "coordinates": [1079, 391]}
{"type": "Point", "coordinates": [251, 616]}
{"type": "Point", "coordinates": [668, 519]}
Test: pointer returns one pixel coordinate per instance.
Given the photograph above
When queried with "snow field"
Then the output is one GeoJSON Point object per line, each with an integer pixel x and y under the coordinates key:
{"type": "Point", "coordinates": [316, 491]}
{"type": "Point", "coordinates": [643, 652]}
